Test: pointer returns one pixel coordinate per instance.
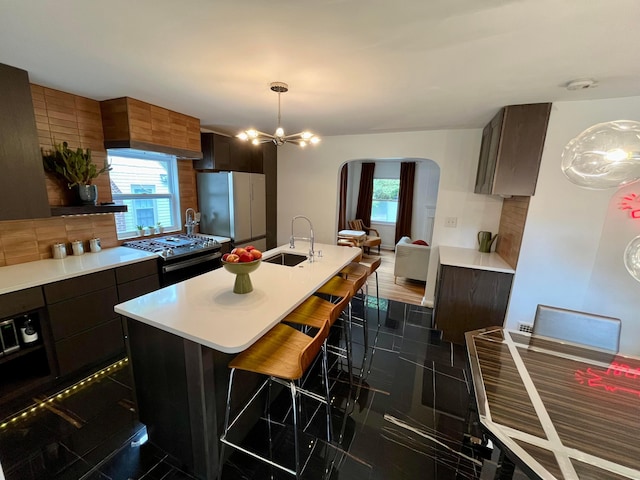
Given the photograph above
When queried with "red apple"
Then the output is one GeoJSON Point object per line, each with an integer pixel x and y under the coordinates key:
{"type": "Point", "coordinates": [239, 251]}
{"type": "Point", "coordinates": [232, 258]}
{"type": "Point", "coordinates": [246, 257]}
{"type": "Point", "coordinates": [256, 254]}
{"type": "Point", "coordinates": [248, 248]}
{"type": "Point", "coordinates": [225, 256]}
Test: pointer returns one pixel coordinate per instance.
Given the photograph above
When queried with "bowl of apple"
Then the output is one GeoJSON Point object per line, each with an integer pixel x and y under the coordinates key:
{"type": "Point", "coordinates": [241, 261]}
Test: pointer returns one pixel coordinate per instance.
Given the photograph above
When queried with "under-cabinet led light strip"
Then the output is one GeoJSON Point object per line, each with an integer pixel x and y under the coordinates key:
{"type": "Point", "coordinates": [63, 393]}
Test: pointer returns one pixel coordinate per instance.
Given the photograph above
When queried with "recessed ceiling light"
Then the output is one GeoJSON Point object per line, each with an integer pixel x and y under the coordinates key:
{"type": "Point", "coordinates": [582, 84]}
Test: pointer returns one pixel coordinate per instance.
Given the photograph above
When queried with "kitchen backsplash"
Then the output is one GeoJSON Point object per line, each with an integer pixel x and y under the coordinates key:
{"type": "Point", "coordinates": [61, 117]}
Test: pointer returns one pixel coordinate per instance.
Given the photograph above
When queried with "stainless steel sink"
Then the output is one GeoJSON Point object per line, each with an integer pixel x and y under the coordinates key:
{"type": "Point", "coordinates": [286, 259]}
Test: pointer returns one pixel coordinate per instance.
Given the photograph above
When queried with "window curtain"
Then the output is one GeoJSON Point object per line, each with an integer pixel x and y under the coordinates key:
{"type": "Point", "coordinates": [342, 208]}
{"type": "Point", "coordinates": [405, 200]}
{"type": "Point", "coordinates": [365, 193]}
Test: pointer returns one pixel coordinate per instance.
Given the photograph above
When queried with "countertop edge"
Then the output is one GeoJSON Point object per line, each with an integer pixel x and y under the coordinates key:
{"type": "Point", "coordinates": [471, 258]}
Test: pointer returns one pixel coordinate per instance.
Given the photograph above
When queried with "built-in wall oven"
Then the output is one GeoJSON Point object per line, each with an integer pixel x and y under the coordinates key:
{"type": "Point", "coordinates": [181, 256]}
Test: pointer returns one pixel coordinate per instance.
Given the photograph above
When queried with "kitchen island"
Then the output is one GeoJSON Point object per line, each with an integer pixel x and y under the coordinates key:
{"type": "Point", "coordinates": [182, 337]}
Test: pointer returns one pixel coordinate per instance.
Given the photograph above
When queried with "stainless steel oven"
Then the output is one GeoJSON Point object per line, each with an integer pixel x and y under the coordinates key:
{"type": "Point", "coordinates": [182, 256]}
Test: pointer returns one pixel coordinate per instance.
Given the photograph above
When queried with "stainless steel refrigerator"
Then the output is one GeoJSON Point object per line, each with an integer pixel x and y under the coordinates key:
{"type": "Point", "coordinates": [233, 204]}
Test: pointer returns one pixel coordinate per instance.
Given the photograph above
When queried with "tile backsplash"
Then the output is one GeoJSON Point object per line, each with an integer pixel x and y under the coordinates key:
{"type": "Point", "coordinates": [29, 240]}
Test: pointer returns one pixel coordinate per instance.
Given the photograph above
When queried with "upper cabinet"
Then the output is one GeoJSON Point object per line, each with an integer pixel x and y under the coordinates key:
{"type": "Point", "coordinates": [130, 123]}
{"type": "Point", "coordinates": [220, 152]}
{"type": "Point", "coordinates": [23, 192]}
{"type": "Point", "coordinates": [512, 149]}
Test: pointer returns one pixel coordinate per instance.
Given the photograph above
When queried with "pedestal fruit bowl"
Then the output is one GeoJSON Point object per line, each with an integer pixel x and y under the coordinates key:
{"type": "Point", "coordinates": [242, 271]}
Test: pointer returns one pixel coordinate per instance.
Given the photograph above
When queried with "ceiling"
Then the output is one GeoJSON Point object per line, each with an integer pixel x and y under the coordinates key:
{"type": "Point", "coordinates": [353, 66]}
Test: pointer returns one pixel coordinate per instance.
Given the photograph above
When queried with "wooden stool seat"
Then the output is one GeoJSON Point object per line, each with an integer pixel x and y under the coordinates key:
{"type": "Point", "coordinates": [370, 262]}
{"type": "Point", "coordinates": [282, 352]}
{"type": "Point", "coordinates": [314, 311]}
{"type": "Point", "coordinates": [338, 287]}
{"type": "Point", "coordinates": [354, 271]}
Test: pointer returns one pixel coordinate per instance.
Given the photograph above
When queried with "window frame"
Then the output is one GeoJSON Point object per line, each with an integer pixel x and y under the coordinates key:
{"type": "Point", "coordinates": [172, 182]}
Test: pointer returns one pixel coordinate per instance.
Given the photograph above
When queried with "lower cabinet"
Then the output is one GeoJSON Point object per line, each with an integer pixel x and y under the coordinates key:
{"type": "Point", "coordinates": [78, 330]}
{"type": "Point", "coordinates": [468, 299]}
{"type": "Point", "coordinates": [86, 330]}
{"type": "Point", "coordinates": [80, 313]}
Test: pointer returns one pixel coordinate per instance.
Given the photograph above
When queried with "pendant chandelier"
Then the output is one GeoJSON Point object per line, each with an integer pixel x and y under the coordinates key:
{"type": "Point", "coordinates": [279, 138]}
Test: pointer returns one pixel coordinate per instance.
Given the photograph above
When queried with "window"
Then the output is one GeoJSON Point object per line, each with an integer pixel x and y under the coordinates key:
{"type": "Point", "coordinates": [384, 207]}
{"type": "Point", "coordinates": [147, 183]}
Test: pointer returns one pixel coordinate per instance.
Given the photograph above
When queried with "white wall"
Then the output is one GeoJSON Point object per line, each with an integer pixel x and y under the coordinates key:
{"type": "Point", "coordinates": [308, 184]}
{"type": "Point", "coordinates": [574, 238]}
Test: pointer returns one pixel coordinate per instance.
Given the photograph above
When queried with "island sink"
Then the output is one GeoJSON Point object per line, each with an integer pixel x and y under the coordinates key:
{"type": "Point", "coordinates": [287, 259]}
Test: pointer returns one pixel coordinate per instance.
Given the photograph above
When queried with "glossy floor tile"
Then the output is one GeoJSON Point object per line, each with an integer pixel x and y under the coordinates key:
{"type": "Point", "coordinates": [406, 416]}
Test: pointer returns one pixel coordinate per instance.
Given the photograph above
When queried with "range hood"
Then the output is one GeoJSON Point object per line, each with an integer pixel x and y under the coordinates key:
{"type": "Point", "coordinates": [133, 124]}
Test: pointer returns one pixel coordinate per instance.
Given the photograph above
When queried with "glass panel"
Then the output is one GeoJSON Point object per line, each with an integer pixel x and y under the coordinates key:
{"type": "Point", "coordinates": [384, 207]}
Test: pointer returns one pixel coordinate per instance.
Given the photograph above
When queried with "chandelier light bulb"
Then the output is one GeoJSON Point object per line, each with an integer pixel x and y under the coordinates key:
{"type": "Point", "coordinates": [279, 132]}
{"type": "Point", "coordinates": [252, 133]}
{"type": "Point", "coordinates": [314, 140]}
{"type": "Point", "coordinates": [604, 156]}
{"type": "Point", "coordinates": [243, 136]}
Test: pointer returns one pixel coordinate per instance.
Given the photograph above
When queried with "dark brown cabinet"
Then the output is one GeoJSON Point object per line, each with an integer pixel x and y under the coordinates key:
{"type": "Point", "coordinates": [23, 192]}
{"type": "Point", "coordinates": [511, 150]}
{"type": "Point", "coordinates": [137, 279]}
{"type": "Point", "coordinates": [468, 299]}
{"type": "Point", "coordinates": [85, 328]}
{"type": "Point", "coordinates": [220, 152]}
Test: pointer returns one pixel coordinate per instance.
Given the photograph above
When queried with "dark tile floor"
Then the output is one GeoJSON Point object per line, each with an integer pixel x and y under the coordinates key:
{"type": "Point", "coordinates": [407, 419]}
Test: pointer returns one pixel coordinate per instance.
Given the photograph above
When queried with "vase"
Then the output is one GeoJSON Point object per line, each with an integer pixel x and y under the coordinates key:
{"type": "Point", "coordinates": [87, 194]}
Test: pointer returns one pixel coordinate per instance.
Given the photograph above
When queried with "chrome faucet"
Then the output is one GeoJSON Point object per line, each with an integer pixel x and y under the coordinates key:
{"type": "Point", "coordinates": [190, 221]}
{"type": "Point", "coordinates": [292, 239]}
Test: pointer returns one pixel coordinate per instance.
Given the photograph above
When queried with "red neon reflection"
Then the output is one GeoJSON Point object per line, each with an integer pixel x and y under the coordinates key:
{"type": "Point", "coordinates": [600, 379]}
{"type": "Point", "coordinates": [627, 203]}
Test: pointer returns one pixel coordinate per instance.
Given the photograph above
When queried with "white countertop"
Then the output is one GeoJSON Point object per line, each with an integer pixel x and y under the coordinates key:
{"type": "Point", "coordinates": [204, 309]}
{"type": "Point", "coordinates": [33, 274]}
{"type": "Point", "coordinates": [471, 258]}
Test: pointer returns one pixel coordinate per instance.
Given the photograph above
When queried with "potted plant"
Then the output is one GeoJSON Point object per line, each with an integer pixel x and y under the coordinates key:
{"type": "Point", "coordinates": [140, 229]}
{"type": "Point", "coordinates": [152, 230]}
{"type": "Point", "coordinates": [160, 228]}
{"type": "Point", "coordinates": [76, 168]}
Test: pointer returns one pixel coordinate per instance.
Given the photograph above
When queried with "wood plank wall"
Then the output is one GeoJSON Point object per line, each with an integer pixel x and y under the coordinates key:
{"type": "Point", "coordinates": [512, 222]}
{"type": "Point", "coordinates": [77, 120]}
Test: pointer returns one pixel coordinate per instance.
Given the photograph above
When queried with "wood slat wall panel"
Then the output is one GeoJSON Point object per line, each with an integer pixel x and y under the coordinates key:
{"type": "Point", "coordinates": [61, 116]}
{"type": "Point", "coordinates": [512, 222]}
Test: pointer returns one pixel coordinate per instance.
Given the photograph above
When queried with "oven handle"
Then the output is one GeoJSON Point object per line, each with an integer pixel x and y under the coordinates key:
{"type": "Point", "coordinates": [187, 263]}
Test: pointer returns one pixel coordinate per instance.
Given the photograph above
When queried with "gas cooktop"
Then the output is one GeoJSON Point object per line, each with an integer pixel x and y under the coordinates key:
{"type": "Point", "coordinates": [175, 245]}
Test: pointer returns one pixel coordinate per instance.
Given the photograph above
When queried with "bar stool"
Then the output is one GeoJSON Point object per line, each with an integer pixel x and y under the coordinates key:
{"type": "Point", "coordinates": [314, 310]}
{"type": "Point", "coordinates": [283, 354]}
{"type": "Point", "coordinates": [371, 263]}
{"type": "Point", "coordinates": [350, 280]}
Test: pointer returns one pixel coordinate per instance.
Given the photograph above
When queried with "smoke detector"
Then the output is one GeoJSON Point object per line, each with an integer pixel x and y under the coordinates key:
{"type": "Point", "coordinates": [581, 84]}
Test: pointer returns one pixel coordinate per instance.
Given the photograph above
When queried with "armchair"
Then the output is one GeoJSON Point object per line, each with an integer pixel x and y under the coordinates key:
{"type": "Point", "coordinates": [371, 240]}
{"type": "Point", "coordinates": [411, 261]}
